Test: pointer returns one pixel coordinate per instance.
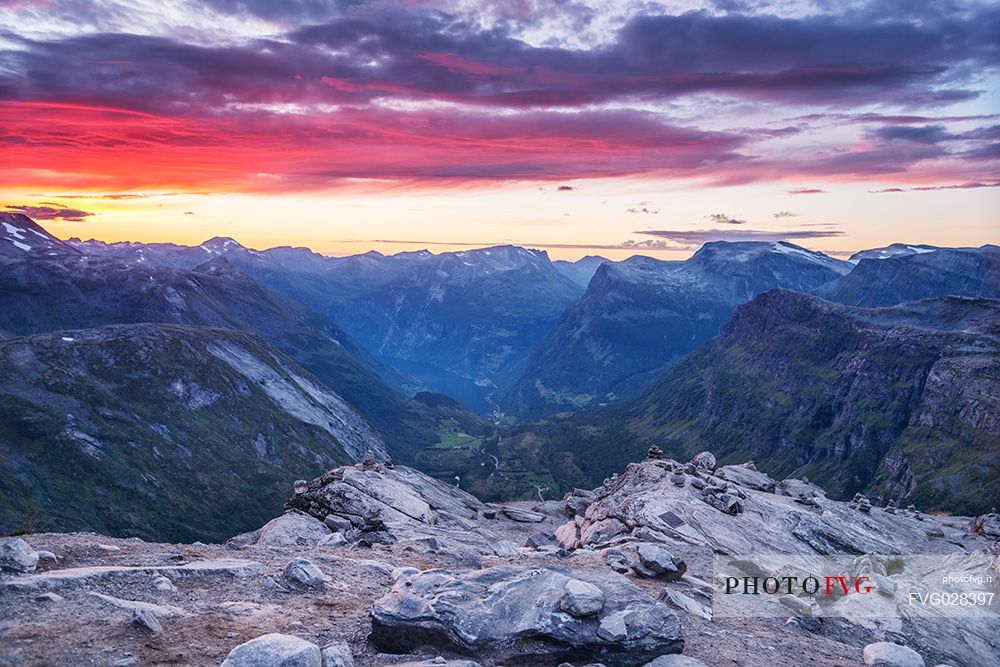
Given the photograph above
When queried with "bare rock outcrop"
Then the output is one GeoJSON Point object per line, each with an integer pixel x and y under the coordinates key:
{"type": "Point", "coordinates": [644, 505]}
{"type": "Point", "coordinates": [517, 612]}
{"type": "Point", "coordinates": [17, 556]}
{"type": "Point", "coordinates": [370, 503]}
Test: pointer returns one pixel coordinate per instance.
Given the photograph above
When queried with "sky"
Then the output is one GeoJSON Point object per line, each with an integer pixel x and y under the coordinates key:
{"type": "Point", "coordinates": [612, 127]}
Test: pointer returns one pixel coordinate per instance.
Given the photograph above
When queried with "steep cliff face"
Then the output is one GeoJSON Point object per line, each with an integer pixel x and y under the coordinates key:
{"type": "Point", "coordinates": [161, 430]}
{"type": "Point", "coordinates": [899, 401]}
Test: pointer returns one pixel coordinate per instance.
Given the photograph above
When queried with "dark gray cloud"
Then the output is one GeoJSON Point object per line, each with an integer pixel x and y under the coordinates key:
{"type": "Point", "coordinates": [723, 219]}
{"type": "Point", "coordinates": [969, 185]}
{"type": "Point", "coordinates": [49, 211]}
{"type": "Point", "coordinates": [358, 55]}
{"type": "Point", "coordinates": [699, 236]}
{"type": "Point", "coordinates": [924, 134]}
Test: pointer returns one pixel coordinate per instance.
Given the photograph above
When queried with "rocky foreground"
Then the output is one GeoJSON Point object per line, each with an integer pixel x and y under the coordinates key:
{"type": "Point", "coordinates": [380, 565]}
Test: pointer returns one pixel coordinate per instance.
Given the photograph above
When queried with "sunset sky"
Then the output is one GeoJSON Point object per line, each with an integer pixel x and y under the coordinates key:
{"type": "Point", "coordinates": [609, 127]}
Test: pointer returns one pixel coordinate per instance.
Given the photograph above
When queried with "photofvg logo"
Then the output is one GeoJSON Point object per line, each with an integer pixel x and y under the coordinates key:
{"type": "Point", "coordinates": [869, 586]}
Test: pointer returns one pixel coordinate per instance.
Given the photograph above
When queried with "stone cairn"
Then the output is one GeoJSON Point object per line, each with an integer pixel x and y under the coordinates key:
{"type": "Point", "coordinates": [861, 503]}
{"type": "Point", "coordinates": [369, 463]}
{"type": "Point", "coordinates": [890, 506]}
{"type": "Point", "coordinates": [654, 453]}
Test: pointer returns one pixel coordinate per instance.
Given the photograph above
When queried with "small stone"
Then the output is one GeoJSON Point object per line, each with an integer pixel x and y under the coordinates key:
{"type": "Point", "coordinates": [581, 599]}
{"type": "Point", "coordinates": [886, 586]}
{"type": "Point", "coordinates": [17, 556]}
{"type": "Point", "coordinates": [540, 540]}
{"type": "Point", "coordinates": [302, 573]}
{"type": "Point", "coordinates": [337, 654]}
{"type": "Point", "coordinates": [126, 662]}
{"type": "Point", "coordinates": [798, 605]}
{"type": "Point", "coordinates": [388, 462]}
{"type": "Point", "coordinates": [109, 548]}
{"type": "Point", "coordinates": [275, 649]}
{"type": "Point", "coordinates": [888, 654]}
{"type": "Point", "coordinates": [506, 549]}
{"type": "Point", "coordinates": [333, 540]}
{"type": "Point", "coordinates": [678, 478]}
{"type": "Point", "coordinates": [657, 559]}
{"type": "Point", "coordinates": [300, 487]}
{"type": "Point", "coordinates": [144, 618]}
{"type": "Point", "coordinates": [338, 524]}
{"type": "Point", "coordinates": [47, 556]}
{"type": "Point", "coordinates": [49, 597]}
{"type": "Point", "coordinates": [522, 515]}
{"type": "Point", "coordinates": [162, 583]}
{"type": "Point", "coordinates": [612, 628]}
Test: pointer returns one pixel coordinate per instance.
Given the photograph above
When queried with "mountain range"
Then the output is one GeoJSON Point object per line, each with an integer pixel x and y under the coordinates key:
{"type": "Point", "coordinates": [898, 273]}
{"type": "Point", "coordinates": [901, 401]}
{"type": "Point", "coordinates": [67, 288]}
{"type": "Point", "coordinates": [453, 322]}
{"type": "Point", "coordinates": [642, 314]}
{"type": "Point", "coordinates": [732, 349]}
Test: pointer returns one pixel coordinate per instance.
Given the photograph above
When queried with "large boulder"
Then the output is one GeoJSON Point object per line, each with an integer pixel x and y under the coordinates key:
{"type": "Point", "coordinates": [17, 556]}
{"type": "Point", "coordinates": [704, 461]}
{"type": "Point", "coordinates": [518, 610]}
{"type": "Point", "coordinates": [303, 573]}
{"type": "Point", "coordinates": [275, 650]}
{"type": "Point", "coordinates": [580, 598]}
{"type": "Point", "coordinates": [291, 529]}
{"type": "Point", "coordinates": [887, 654]}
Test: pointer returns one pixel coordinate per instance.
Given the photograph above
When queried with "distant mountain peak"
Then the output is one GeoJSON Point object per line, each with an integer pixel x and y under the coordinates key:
{"type": "Point", "coordinates": [20, 235]}
{"type": "Point", "coordinates": [221, 244]}
{"type": "Point", "coordinates": [892, 250]}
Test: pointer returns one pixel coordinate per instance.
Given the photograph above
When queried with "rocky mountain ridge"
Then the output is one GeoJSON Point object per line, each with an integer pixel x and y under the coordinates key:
{"type": "Point", "coordinates": [453, 320]}
{"type": "Point", "coordinates": [621, 575]}
{"type": "Point", "coordinates": [888, 276]}
{"type": "Point", "coordinates": [42, 293]}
